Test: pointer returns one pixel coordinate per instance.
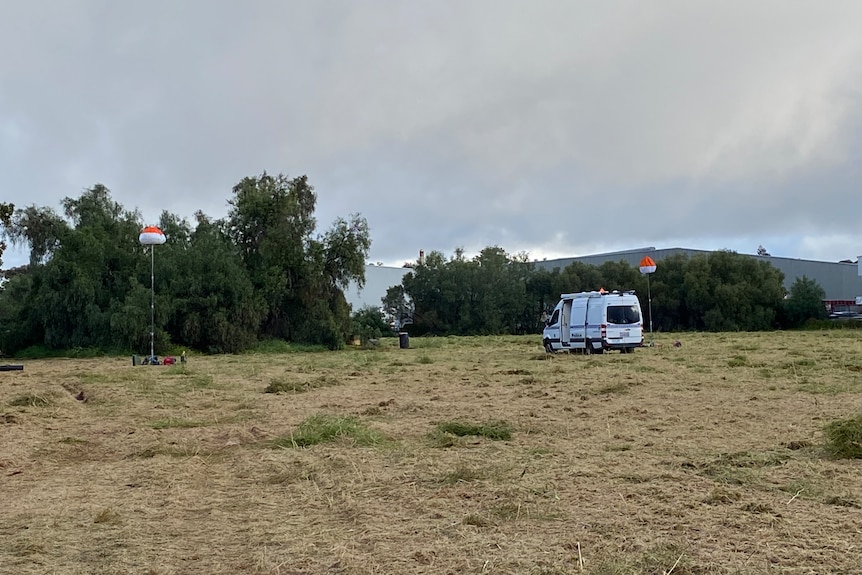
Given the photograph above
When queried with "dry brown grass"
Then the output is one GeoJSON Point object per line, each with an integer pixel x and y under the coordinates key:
{"type": "Point", "coordinates": [706, 458]}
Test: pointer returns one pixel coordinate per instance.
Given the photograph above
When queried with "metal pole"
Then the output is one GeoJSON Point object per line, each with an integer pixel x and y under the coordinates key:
{"type": "Point", "coordinates": [649, 297]}
{"type": "Point", "coordinates": [152, 299]}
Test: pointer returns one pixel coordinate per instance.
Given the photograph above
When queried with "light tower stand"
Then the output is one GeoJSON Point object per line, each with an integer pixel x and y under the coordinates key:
{"type": "Point", "coordinates": [152, 301]}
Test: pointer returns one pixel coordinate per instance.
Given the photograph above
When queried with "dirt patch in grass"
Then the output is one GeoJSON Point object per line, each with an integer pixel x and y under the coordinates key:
{"type": "Point", "coordinates": [707, 458]}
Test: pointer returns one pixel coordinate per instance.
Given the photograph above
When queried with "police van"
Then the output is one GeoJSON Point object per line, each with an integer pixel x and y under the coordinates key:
{"type": "Point", "coordinates": [595, 321]}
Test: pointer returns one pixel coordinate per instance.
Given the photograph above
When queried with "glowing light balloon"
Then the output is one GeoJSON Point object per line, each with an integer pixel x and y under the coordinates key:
{"type": "Point", "coordinates": [152, 236]}
{"type": "Point", "coordinates": [647, 265]}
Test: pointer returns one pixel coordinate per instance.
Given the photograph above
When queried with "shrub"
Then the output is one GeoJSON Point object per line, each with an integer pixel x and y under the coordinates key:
{"type": "Point", "coordinates": [368, 324]}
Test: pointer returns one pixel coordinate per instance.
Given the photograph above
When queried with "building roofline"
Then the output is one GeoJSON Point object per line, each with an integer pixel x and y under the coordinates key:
{"type": "Point", "coordinates": [652, 249]}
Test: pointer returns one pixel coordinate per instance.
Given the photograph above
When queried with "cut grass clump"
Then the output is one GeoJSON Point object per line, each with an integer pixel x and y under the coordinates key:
{"type": "Point", "coordinates": [177, 423]}
{"type": "Point", "coordinates": [842, 501]}
{"type": "Point", "coordinates": [619, 387]}
{"type": "Point", "coordinates": [462, 475]}
{"type": "Point", "coordinates": [323, 428]}
{"type": "Point", "coordinates": [739, 468]}
{"type": "Point", "coordinates": [30, 400]}
{"type": "Point", "coordinates": [662, 560]}
{"type": "Point", "coordinates": [476, 520]}
{"type": "Point", "coordinates": [286, 385]}
{"type": "Point", "coordinates": [844, 438]}
{"type": "Point", "coordinates": [107, 516]}
{"type": "Point", "coordinates": [721, 496]}
{"type": "Point", "coordinates": [169, 450]}
{"type": "Point", "coordinates": [497, 430]}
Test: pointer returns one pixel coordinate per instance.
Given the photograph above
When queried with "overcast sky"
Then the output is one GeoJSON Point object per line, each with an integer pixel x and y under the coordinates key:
{"type": "Point", "coordinates": [559, 128]}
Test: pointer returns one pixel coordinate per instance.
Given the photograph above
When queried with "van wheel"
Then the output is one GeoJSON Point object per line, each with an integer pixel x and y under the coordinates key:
{"type": "Point", "coordinates": [548, 347]}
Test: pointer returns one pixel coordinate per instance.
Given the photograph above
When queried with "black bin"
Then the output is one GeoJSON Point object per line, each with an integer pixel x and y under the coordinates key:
{"type": "Point", "coordinates": [403, 340]}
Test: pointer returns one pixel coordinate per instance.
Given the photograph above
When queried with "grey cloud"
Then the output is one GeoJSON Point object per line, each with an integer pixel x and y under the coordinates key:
{"type": "Point", "coordinates": [451, 123]}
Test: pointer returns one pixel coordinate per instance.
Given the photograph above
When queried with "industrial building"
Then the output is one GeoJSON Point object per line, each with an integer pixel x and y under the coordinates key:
{"type": "Point", "coordinates": [842, 281]}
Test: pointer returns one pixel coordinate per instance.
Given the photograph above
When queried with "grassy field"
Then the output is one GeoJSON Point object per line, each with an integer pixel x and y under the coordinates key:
{"type": "Point", "coordinates": [458, 455]}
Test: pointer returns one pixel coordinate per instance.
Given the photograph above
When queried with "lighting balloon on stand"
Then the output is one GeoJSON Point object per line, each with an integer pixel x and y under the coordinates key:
{"type": "Point", "coordinates": [647, 266]}
{"type": "Point", "coordinates": [152, 236]}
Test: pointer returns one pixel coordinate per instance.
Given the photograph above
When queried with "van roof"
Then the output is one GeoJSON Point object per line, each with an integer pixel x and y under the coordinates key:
{"type": "Point", "coordinates": [596, 294]}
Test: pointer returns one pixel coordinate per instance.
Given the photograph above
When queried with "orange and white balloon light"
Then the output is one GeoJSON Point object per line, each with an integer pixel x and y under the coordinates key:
{"type": "Point", "coordinates": [647, 266]}
{"type": "Point", "coordinates": [152, 236]}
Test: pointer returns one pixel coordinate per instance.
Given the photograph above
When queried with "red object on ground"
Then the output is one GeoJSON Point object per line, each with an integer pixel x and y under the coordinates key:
{"type": "Point", "coordinates": [169, 361]}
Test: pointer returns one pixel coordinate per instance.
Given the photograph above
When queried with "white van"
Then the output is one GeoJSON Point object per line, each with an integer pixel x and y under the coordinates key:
{"type": "Point", "coordinates": [594, 322]}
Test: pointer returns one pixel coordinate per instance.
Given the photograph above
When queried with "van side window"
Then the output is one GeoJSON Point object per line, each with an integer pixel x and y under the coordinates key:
{"type": "Point", "coordinates": [623, 314]}
{"type": "Point", "coordinates": [554, 318]}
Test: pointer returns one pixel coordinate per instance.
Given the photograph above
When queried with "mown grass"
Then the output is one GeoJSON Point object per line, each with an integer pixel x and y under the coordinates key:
{"type": "Point", "coordinates": [569, 465]}
{"type": "Point", "coordinates": [279, 346]}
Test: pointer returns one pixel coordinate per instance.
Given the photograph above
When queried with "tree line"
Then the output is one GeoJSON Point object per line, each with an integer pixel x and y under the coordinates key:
{"type": "Point", "coordinates": [498, 293]}
{"type": "Point", "coordinates": [262, 272]}
{"type": "Point", "coordinates": [265, 272]}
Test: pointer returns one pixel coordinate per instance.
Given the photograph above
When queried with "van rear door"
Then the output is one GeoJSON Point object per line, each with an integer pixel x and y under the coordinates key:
{"type": "Point", "coordinates": [623, 320]}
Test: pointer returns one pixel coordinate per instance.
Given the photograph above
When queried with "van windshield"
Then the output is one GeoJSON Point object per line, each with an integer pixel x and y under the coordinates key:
{"type": "Point", "coordinates": [622, 314]}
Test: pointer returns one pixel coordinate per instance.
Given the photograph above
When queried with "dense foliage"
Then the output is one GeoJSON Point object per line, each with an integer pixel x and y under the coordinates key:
{"type": "Point", "coordinates": [219, 286]}
{"type": "Point", "coordinates": [805, 302]}
{"type": "Point", "coordinates": [264, 273]}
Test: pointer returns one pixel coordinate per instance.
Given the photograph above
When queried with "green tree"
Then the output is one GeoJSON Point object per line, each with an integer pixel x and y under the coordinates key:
{"type": "Point", "coordinates": [667, 287]}
{"type": "Point", "coordinates": [208, 297]}
{"type": "Point", "coordinates": [397, 307]}
{"type": "Point", "coordinates": [299, 277]}
{"type": "Point", "coordinates": [79, 272]}
{"type": "Point", "coordinates": [726, 291]}
{"type": "Point", "coordinates": [19, 327]}
{"type": "Point", "coordinates": [487, 294]}
{"type": "Point", "coordinates": [6, 211]}
{"type": "Point", "coordinates": [368, 323]}
{"type": "Point", "coordinates": [805, 302]}
{"type": "Point", "coordinates": [432, 293]}
{"type": "Point", "coordinates": [541, 298]}
{"type": "Point", "coordinates": [41, 228]}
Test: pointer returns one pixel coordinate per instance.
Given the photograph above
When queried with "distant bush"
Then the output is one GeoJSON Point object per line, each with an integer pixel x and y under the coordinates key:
{"type": "Point", "coordinates": [844, 438]}
{"type": "Point", "coordinates": [42, 352]}
{"type": "Point", "coordinates": [368, 323]}
{"type": "Point", "coordinates": [821, 324]}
